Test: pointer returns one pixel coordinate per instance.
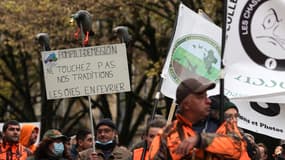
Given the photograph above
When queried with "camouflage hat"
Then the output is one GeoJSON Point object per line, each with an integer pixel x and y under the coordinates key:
{"type": "Point", "coordinates": [54, 134]}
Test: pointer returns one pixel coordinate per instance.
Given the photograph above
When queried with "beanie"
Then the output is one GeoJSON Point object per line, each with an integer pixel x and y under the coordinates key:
{"type": "Point", "coordinates": [216, 103]}
{"type": "Point", "coordinates": [229, 105]}
{"type": "Point", "coordinates": [107, 122]}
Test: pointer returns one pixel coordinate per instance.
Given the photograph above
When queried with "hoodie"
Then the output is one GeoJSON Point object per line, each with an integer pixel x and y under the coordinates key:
{"type": "Point", "coordinates": [25, 135]}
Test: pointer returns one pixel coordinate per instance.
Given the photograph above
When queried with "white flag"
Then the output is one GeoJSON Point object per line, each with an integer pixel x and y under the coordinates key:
{"type": "Point", "coordinates": [263, 118]}
{"type": "Point", "coordinates": [194, 52]}
{"type": "Point", "coordinates": [255, 50]}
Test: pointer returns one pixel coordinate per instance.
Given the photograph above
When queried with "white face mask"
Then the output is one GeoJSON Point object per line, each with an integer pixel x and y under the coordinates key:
{"type": "Point", "coordinates": [58, 148]}
{"type": "Point", "coordinates": [104, 143]}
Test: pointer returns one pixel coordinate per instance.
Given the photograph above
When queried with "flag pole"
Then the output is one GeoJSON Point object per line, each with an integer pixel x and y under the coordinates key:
{"type": "Point", "coordinates": [222, 74]}
{"type": "Point", "coordinates": [171, 112]}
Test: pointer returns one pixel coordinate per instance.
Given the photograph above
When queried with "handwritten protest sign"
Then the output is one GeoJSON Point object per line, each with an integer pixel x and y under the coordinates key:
{"type": "Point", "coordinates": [86, 71]}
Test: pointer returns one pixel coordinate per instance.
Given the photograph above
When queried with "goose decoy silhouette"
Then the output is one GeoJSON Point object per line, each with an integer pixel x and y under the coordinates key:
{"type": "Point", "coordinates": [43, 40]}
{"type": "Point", "coordinates": [123, 34]}
{"type": "Point", "coordinates": [84, 22]}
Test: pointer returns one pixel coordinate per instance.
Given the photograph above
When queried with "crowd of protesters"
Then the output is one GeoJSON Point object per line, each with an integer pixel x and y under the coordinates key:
{"type": "Point", "coordinates": [196, 133]}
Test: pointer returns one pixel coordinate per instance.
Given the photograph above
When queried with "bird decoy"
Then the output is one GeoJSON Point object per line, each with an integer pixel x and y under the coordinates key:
{"type": "Point", "coordinates": [43, 40]}
{"type": "Point", "coordinates": [84, 22]}
{"type": "Point", "coordinates": [123, 34]}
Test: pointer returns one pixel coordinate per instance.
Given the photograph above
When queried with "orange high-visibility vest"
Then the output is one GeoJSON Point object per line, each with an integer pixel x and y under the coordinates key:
{"type": "Point", "coordinates": [137, 154]}
{"type": "Point", "coordinates": [214, 146]}
{"type": "Point", "coordinates": [14, 152]}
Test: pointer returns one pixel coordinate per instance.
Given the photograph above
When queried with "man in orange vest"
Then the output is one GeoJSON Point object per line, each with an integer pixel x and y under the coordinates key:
{"type": "Point", "coordinates": [180, 141]}
{"type": "Point", "coordinates": [153, 128]}
{"type": "Point", "coordinates": [11, 149]}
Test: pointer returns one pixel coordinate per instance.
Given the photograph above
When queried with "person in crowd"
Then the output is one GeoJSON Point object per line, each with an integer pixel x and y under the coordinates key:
{"type": "Point", "coordinates": [83, 142]}
{"type": "Point", "coordinates": [51, 147]}
{"type": "Point", "coordinates": [180, 141]}
{"type": "Point", "coordinates": [252, 148]}
{"type": "Point", "coordinates": [141, 143]}
{"type": "Point", "coordinates": [153, 127]}
{"type": "Point", "coordinates": [229, 126]}
{"type": "Point", "coordinates": [11, 149]}
{"type": "Point", "coordinates": [263, 151]}
{"type": "Point", "coordinates": [279, 152]}
{"type": "Point", "coordinates": [106, 144]}
{"type": "Point", "coordinates": [250, 138]}
{"type": "Point", "coordinates": [67, 148]}
{"type": "Point", "coordinates": [29, 135]}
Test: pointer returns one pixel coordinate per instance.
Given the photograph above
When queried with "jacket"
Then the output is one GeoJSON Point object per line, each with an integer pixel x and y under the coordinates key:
{"type": "Point", "coordinates": [118, 153]}
{"type": "Point", "coordinates": [211, 146]}
{"type": "Point", "coordinates": [14, 152]}
{"type": "Point", "coordinates": [137, 154]}
{"type": "Point", "coordinates": [73, 151]}
{"type": "Point", "coordinates": [228, 128]}
{"type": "Point", "coordinates": [25, 135]}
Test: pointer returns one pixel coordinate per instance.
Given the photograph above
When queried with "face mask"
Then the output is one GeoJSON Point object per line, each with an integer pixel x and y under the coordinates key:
{"type": "Point", "coordinates": [58, 148]}
{"type": "Point", "coordinates": [105, 145]}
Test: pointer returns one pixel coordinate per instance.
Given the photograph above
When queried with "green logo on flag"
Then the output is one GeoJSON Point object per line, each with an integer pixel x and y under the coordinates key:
{"type": "Point", "coordinates": [195, 56]}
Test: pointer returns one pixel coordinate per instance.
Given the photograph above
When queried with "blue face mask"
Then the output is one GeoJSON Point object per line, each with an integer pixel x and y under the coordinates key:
{"type": "Point", "coordinates": [58, 148]}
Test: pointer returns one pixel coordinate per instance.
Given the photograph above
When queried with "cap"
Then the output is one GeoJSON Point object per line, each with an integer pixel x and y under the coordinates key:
{"type": "Point", "coordinates": [54, 134]}
{"type": "Point", "coordinates": [106, 121]}
{"type": "Point", "coordinates": [193, 86]}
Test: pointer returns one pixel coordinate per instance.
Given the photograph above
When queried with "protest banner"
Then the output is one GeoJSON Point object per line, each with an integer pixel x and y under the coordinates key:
{"type": "Point", "coordinates": [254, 117]}
{"type": "Point", "coordinates": [263, 118]}
{"type": "Point", "coordinates": [86, 71]}
{"type": "Point", "coordinates": [254, 55]}
{"type": "Point", "coordinates": [194, 52]}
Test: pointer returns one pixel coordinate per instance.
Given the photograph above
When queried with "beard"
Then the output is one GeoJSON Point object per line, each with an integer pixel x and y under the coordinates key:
{"type": "Point", "coordinates": [12, 139]}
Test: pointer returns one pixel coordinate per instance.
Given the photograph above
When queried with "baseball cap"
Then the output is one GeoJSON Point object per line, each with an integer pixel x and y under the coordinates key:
{"type": "Point", "coordinates": [192, 86]}
{"type": "Point", "coordinates": [54, 134]}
